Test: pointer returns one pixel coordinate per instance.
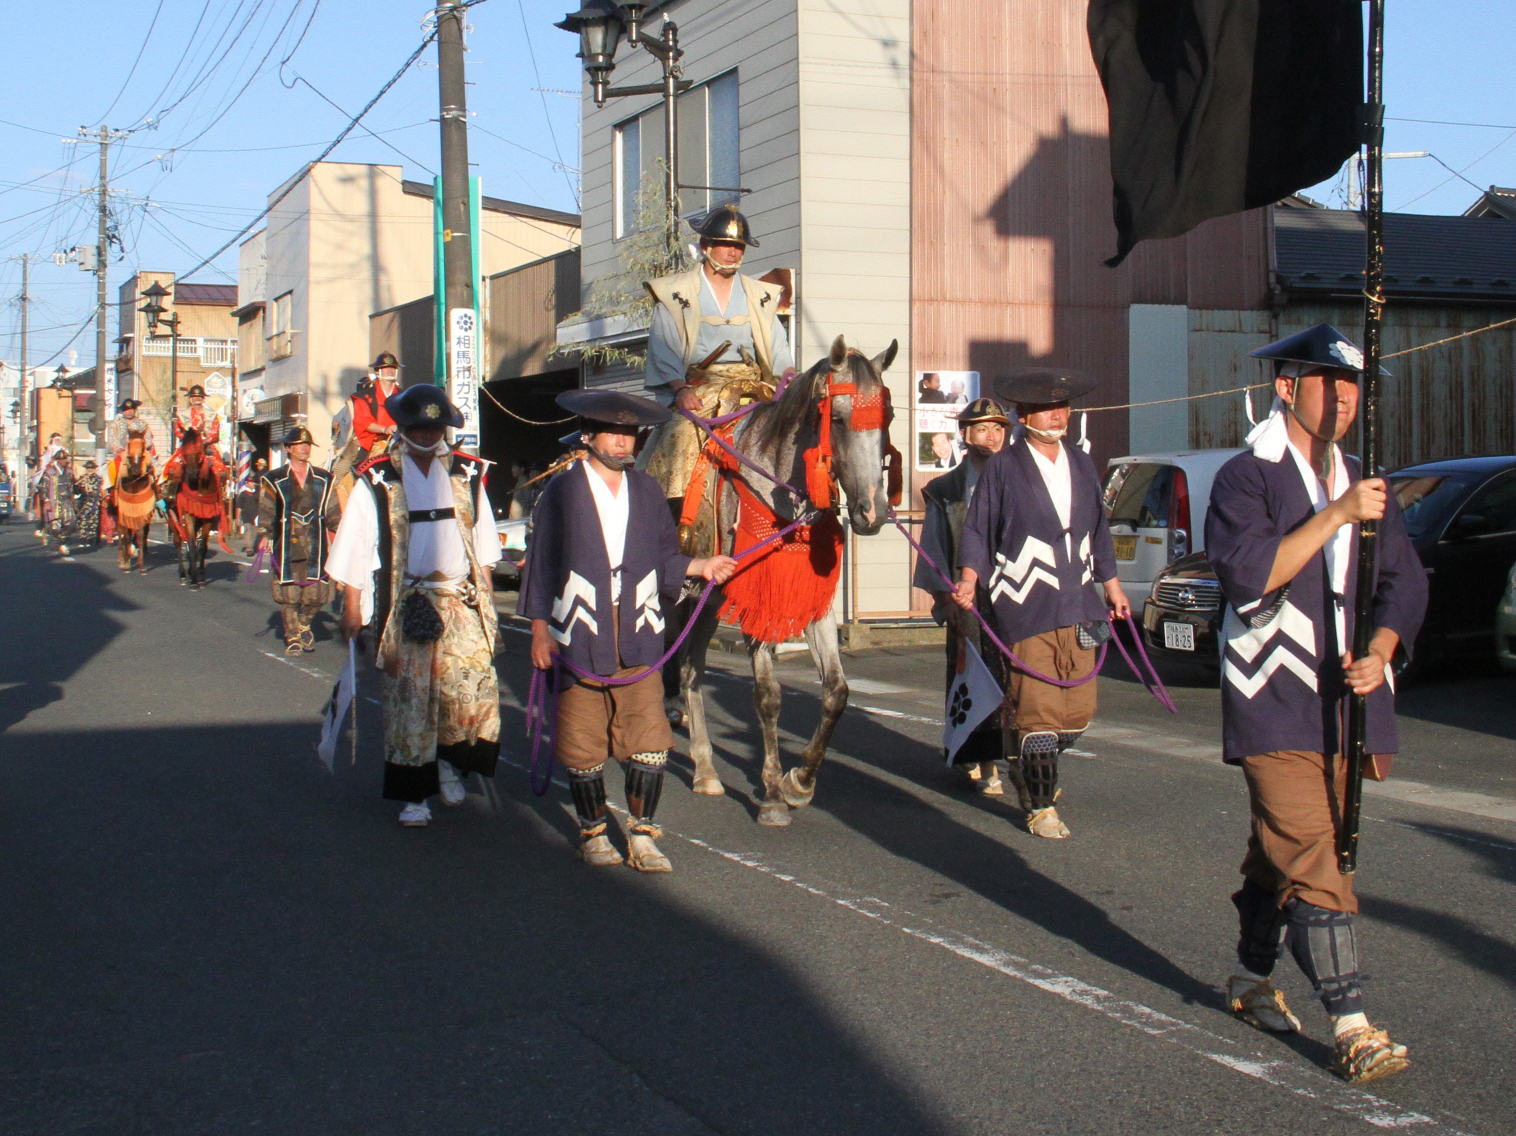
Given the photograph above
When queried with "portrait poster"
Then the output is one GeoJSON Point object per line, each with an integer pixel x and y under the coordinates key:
{"type": "Point", "coordinates": [940, 396]}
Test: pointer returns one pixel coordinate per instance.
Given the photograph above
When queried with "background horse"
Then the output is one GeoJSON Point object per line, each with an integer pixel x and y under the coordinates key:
{"type": "Point", "coordinates": [830, 425]}
{"type": "Point", "coordinates": [136, 495]}
{"type": "Point", "coordinates": [192, 487]}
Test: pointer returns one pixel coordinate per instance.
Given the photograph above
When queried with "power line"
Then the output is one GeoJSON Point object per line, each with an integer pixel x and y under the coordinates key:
{"type": "Point", "coordinates": [125, 82]}
{"type": "Point", "coordinates": [346, 130]}
{"type": "Point", "coordinates": [416, 161]}
{"type": "Point", "coordinates": [553, 134]}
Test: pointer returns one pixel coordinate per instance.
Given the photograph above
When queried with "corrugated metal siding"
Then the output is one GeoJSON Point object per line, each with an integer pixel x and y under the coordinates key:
{"type": "Point", "coordinates": [1012, 208]}
{"type": "Point", "coordinates": [525, 307]}
{"type": "Point", "coordinates": [1459, 398]}
{"type": "Point", "coordinates": [1219, 346]}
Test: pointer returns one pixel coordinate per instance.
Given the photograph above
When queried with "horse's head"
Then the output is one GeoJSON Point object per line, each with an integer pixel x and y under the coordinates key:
{"type": "Point", "coordinates": [850, 387]}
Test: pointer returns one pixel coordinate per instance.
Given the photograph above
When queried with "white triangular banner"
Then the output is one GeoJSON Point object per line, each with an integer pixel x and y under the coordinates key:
{"type": "Point", "coordinates": [973, 696]}
{"type": "Point", "coordinates": [336, 709]}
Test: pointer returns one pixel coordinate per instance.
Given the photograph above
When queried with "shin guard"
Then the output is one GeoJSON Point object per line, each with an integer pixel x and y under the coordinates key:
{"type": "Point", "coordinates": [1263, 923]}
{"type": "Point", "coordinates": [587, 787]}
{"type": "Point", "coordinates": [1323, 943]}
{"type": "Point", "coordinates": [644, 784]}
{"type": "Point", "coordinates": [1039, 767]}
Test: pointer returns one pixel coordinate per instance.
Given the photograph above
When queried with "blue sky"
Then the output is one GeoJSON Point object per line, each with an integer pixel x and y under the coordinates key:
{"type": "Point", "coordinates": [227, 134]}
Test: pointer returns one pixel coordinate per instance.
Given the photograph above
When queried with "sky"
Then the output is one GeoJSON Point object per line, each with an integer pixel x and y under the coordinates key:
{"type": "Point", "coordinates": [227, 98]}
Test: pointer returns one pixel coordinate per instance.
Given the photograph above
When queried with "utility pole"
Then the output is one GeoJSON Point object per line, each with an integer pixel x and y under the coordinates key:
{"type": "Point", "coordinates": [462, 335]}
{"type": "Point", "coordinates": [26, 443]}
{"type": "Point", "coordinates": [105, 392]}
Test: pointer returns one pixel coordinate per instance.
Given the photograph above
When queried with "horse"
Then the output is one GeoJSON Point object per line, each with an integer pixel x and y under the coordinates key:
{"type": "Point", "coordinates": [136, 495]}
{"type": "Point", "coordinates": [830, 425]}
{"type": "Point", "coordinates": [192, 487]}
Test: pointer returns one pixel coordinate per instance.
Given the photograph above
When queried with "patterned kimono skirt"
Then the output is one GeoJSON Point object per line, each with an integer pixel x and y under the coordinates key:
{"type": "Point", "coordinates": [441, 701]}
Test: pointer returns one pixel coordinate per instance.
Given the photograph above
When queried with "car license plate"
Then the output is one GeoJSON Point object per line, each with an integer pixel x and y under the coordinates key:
{"type": "Point", "coordinates": [1126, 547]}
{"type": "Point", "coordinates": [1179, 636]}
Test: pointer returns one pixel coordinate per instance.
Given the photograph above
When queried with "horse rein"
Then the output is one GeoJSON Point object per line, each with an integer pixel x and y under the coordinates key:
{"type": "Point", "coordinates": [871, 410]}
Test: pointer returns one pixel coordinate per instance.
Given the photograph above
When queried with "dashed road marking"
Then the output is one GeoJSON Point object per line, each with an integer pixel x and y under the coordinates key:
{"type": "Point", "coordinates": [1278, 1072]}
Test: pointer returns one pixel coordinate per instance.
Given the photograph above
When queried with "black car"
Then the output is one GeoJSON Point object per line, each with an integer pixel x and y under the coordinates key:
{"type": "Point", "coordinates": [1461, 516]}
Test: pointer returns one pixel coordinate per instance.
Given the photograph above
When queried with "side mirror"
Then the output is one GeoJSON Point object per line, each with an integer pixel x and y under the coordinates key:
{"type": "Point", "coordinates": [1467, 525]}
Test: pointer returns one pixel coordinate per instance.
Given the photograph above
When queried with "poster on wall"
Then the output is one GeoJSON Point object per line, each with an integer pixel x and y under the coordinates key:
{"type": "Point", "coordinates": [940, 396]}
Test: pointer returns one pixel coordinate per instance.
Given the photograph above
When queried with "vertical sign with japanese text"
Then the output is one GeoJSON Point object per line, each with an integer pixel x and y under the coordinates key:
{"type": "Point", "coordinates": [463, 363]}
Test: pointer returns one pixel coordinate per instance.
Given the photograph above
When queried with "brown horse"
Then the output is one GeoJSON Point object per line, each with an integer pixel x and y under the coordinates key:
{"type": "Point", "coordinates": [136, 496]}
{"type": "Point", "coordinates": [192, 484]}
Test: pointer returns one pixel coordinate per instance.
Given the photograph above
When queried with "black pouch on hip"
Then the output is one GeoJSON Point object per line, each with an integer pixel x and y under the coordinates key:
{"type": "Point", "coordinates": [419, 621]}
{"type": "Point", "coordinates": [1093, 634]}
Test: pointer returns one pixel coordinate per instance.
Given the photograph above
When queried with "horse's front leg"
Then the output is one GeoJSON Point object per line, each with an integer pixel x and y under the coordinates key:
{"type": "Point", "coordinates": [141, 550]}
{"type": "Point", "coordinates": [202, 553]}
{"type": "Point", "coordinates": [799, 784]}
{"type": "Point", "coordinates": [692, 676]}
{"type": "Point", "coordinates": [183, 552]}
{"type": "Point", "coordinates": [766, 701]}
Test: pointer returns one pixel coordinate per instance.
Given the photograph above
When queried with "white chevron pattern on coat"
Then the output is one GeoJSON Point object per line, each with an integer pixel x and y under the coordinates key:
{"type": "Point", "coordinates": [649, 610]}
{"type": "Point", "coordinates": [575, 605]}
{"type": "Point", "coordinates": [1250, 642]}
{"type": "Point", "coordinates": [1084, 559]}
{"type": "Point", "coordinates": [1016, 578]}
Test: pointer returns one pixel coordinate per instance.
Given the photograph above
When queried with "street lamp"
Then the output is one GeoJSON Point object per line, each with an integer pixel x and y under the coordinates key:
{"type": "Point", "coordinates": [153, 310]}
{"type": "Point", "coordinates": [600, 25]}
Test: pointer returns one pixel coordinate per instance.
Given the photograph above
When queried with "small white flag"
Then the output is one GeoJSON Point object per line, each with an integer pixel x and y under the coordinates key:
{"type": "Point", "coordinates": [973, 696]}
{"type": "Point", "coordinates": [337, 707]}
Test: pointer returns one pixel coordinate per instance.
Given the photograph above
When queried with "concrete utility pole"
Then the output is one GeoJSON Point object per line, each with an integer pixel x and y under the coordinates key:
{"type": "Point", "coordinates": [26, 443]}
{"type": "Point", "coordinates": [105, 136]}
{"type": "Point", "coordinates": [457, 217]}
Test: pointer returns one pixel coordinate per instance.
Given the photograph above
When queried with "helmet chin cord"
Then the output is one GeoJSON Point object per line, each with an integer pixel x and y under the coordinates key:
{"type": "Point", "coordinates": [440, 450]}
{"type": "Point", "coordinates": [618, 465]}
{"type": "Point", "coordinates": [1046, 436]}
{"type": "Point", "coordinates": [1329, 445]}
{"type": "Point", "coordinates": [721, 269]}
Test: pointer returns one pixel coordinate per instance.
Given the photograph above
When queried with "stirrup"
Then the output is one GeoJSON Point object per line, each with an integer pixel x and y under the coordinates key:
{"type": "Point", "coordinates": [1367, 1054]}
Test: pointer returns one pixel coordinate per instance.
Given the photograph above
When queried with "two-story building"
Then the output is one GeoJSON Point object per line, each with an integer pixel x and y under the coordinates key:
{"type": "Point", "coordinates": [345, 241]}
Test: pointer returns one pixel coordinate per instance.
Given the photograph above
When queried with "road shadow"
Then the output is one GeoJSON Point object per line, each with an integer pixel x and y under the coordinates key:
{"type": "Point", "coordinates": [209, 932]}
{"type": "Point", "coordinates": [907, 826]}
{"type": "Point", "coordinates": [49, 642]}
{"type": "Point", "coordinates": [1468, 694]}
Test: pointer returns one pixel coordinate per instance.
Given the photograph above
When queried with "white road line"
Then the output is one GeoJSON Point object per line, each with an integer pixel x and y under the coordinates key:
{"type": "Point", "coordinates": [1281, 1073]}
{"type": "Point", "coordinates": [322, 675]}
{"type": "Point", "coordinates": [883, 713]}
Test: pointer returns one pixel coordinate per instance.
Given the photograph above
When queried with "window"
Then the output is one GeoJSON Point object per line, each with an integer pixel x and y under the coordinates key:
{"type": "Point", "coordinates": [281, 341]}
{"type": "Point", "coordinates": [1497, 505]}
{"type": "Point", "coordinates": [709, 153]}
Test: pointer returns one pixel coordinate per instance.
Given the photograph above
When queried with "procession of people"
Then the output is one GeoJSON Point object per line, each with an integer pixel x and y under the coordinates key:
{"type": "Point", "coordinates": [1014, 550]}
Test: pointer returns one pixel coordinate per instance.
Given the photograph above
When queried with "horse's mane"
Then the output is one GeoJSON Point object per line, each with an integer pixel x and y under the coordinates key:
{"type": "Point", "coordinates": [787, 413]}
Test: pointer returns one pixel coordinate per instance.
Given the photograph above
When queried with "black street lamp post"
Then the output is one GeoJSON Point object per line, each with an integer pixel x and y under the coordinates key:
{"type": "Point", "coordinates": [600, 24]}
{"type": "Point", "coordinates": [153, 310]}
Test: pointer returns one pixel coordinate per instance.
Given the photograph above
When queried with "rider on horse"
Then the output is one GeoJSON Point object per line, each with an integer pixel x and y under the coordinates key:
{"type": "Point", "coordinates": [192, 481]}
{"type": "Point", "coordinates": [715, 344]}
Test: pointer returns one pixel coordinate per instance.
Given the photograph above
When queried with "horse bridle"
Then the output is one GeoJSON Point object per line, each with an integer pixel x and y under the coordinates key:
{"type": "Point", "coordinates": [871, 410]}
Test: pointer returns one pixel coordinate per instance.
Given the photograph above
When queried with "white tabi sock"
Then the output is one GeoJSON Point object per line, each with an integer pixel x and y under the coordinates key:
{"type": "Point", "coordinates": [1347, 1023]}
{"type": "Point", "coordinates": [446, 771]}
{"type": "Point", "coordinates": [1244, 972]}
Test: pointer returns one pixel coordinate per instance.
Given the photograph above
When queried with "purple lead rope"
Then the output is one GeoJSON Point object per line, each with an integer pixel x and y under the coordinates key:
{"type": "Point", "coordinates": [542, 694]}
{"type": "Point", "coordinates": [1155, 688]}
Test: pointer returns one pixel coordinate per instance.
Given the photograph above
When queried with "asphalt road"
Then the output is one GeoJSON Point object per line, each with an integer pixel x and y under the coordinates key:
{"type": "Point", "coordinates": [207, 933]}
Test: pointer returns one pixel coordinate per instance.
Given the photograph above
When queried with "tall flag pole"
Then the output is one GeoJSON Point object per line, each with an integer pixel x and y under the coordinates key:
{"type": "Point", "coordinates": [1368, 417]}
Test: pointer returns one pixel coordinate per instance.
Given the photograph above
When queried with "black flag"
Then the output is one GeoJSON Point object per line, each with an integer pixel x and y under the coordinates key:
{"type": "Point", "coordinates": [1223, 105]}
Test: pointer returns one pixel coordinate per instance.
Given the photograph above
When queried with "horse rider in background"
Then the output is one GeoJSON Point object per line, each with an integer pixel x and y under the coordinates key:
{"type": "Point", "coordinates": [1036, 549]}
{"type": "Point", "coordinates": [715, 344]}
{"type": "Point", "coordinates": [197, 418]}
{"type": "Point", "coordinates": [373, 429]}
{"type": "Point", "coordinates": [984, 425]}
{"type": "Point", "coordinates": [413, 553]}
{"type": "Point", "coordinates": [296, 507]}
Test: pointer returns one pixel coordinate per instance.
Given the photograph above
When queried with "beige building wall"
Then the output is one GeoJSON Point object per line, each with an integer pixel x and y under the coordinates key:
{"type": "Point", "coordinates": [353, 239]}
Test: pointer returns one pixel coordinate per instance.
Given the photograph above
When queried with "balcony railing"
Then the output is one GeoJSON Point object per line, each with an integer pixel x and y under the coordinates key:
{"type": "Point", "coordinates": [212, 352]}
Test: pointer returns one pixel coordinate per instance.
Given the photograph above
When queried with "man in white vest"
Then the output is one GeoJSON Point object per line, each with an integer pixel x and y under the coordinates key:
{"type": "Point", "coordinates": [715, 344]}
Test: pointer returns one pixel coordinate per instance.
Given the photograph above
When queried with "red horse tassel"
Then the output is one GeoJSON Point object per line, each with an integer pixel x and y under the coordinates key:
{"type": "Point", "coordinates": [781, 591]}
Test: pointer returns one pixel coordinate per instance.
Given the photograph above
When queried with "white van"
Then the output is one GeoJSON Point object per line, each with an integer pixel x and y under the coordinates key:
{"type": "Point", "coordinates": [1155, 505]}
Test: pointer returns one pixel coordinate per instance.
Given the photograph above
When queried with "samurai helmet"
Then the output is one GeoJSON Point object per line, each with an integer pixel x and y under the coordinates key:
{"type": "Point", "coordinates": [728, 226]}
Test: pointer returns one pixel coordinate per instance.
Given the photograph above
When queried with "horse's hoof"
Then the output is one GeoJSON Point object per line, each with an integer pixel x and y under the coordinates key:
{"type": "Point", "coordinates": [676, 719]}
{"type": "Point", "coordinates": [710, 787]}
{"type": "Point", "coordinates": [790, 789]}
{"type": "Point", "coordinates": [774, 815]}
